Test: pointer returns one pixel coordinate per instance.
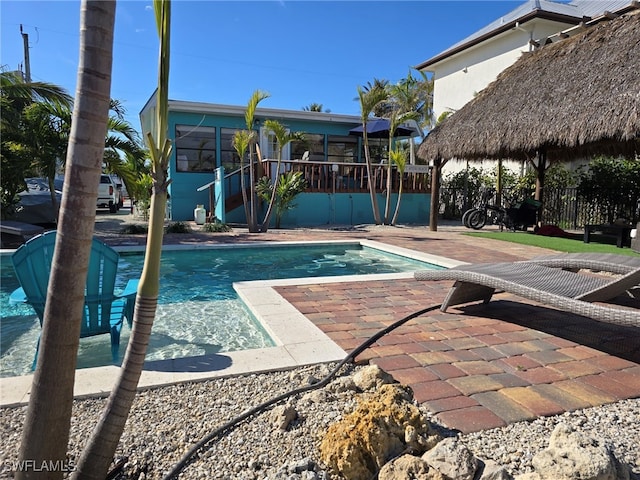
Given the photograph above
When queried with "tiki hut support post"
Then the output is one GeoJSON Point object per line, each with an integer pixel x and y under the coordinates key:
{"type": "Point", "coordinates": [435, 193]}
{"type": "Point", "coordinates": [499, 184]}
{"type": "Point", "coordinates": [541, 168]}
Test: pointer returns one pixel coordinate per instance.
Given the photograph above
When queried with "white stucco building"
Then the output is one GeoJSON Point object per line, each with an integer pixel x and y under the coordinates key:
{"type": "Point", "coordinates": [464, 69]}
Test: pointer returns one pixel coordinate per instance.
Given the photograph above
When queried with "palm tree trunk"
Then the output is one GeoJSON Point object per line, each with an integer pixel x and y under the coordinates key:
{"type": "Point", "coordinates": [98, 454]}
{"type": "Point", "coordinates": [243, 188]}
{"type": "Point", "coordinates": [397, 211]}
{"type": "Point", "coordinates": [387, 203]}
{"type": "Point", "coordinates": [435, 195]}
{"type": "Point", "coordinates": [100, 450]}
{"type": "Point", "coordinates": [371, 180]}
{"type": "Point", "coordinates": [272, 200]}
{"type": "Point", "coordinates": [46, 430]}
{"type": "Point", "coordinates": [253, 219]}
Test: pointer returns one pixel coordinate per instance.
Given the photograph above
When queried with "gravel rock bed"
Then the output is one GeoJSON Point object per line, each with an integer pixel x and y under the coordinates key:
{"type": "Point", "coordinates": [165, 422]}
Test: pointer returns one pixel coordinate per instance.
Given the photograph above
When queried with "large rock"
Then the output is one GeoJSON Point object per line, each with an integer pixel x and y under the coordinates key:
{"type": "Point", "coordinates": [452, 459]}
{"type": "Point", "coordinates": [493, 471]}
{"type": "Point", "coordinates": [282, 416]}
{"type": "Point", "coordinates": [371, 377]}
{"type": "Point", "coordinates": [384, 425]}
{"type": "Point", "coordinates": [574, 456]}
{"type": "Point", "coordinates": [408, 467]}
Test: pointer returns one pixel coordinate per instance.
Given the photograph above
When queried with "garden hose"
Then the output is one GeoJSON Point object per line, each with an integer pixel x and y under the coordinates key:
{"type": "Point", "coordinates": [190, 455]}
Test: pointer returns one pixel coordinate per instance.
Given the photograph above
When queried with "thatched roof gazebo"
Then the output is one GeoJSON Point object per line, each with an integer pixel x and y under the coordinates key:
{"type": "Point", "coordinates": [570, 99]}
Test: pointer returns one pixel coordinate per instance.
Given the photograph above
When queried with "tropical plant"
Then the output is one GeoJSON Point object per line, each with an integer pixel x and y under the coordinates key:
{"type": "Point", "coordinates": [16, 96]}
{"type": "Point", "coordinates": [178, 227]}
{"type": "Point", "coordinates": [140, 193]}
{"type": "Point", "coordinates": [396, 118]}
{"type": "Point", "coordinates": [288, 187]}
{"type": "Point", "coordinates": [45, 131]}
{"type": "Point", "coordinates": [45, 433]}
{"type": "Point", "coordinates": [316, 107]}
{"type": "Point", "coordinates": [35, 142]}
{"type": "Point", "coordinates": [399, 157]}
{"type": "Point", "coordinates": [370, 99]}
{"type": "Point", "coordinates": [283, 137]}
{"type": "Point", "coordinates": [100, 449]}
{"type": "Point", "coordinates": [413, 94]}
{"type": "Point", "coordinates": [249, 116]}
{"type": "Point", "coordinates": [612, 186]}
{"type": "Point", "coordinates": [382, 108]}
{"type": "Point", "coordinates": [241, 141]}
{"type": "Point", "coordinates": [216, 227]}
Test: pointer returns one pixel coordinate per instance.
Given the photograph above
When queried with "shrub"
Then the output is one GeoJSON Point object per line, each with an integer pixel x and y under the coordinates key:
{"type": "Point", "coordinates": [134, 229]}
{"type": "Point", "coordinates": [216, 227]}
{"type": "Point", "coordinates": [178, 227]}
{"type": "Point", "coordinates": [612, 186]}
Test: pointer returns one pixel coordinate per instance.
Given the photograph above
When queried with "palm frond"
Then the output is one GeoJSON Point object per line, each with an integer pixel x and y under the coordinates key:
{"type": "Point", "coordinates": [250, 112]}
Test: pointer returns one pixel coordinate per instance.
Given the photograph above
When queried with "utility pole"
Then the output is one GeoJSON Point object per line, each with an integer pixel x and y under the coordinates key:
{"type": "Point", "coordinates": [27, 65]}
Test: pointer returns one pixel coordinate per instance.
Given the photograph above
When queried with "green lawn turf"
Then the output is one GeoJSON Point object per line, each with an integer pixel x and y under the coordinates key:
{"type": "Point", "coordinates": [575, 244]}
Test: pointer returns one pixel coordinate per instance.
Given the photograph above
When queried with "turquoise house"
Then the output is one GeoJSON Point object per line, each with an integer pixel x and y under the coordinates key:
{"type": "Point", "coordinates": [205, 169]}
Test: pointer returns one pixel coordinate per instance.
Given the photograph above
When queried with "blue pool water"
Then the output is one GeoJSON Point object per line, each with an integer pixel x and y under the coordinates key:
{"type": "Point", "coordinates": [199, 312]}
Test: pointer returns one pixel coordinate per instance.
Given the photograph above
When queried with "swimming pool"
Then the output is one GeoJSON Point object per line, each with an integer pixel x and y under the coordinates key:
{"type": "Point", "coordinates": [198, 312]}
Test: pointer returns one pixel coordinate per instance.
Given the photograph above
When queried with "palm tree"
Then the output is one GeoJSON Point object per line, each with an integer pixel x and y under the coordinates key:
{"type": "Point", "coordinates": [381, 109]}
{"type": "Point", "coordinates": [15, 96]}
{"type": "Point", "coordinates": [396, 119]}
{"type": "Point", "coordinates": [415, 95]}
{"type": "Point", "coordinates": [124, 155]}
{"type": "Point", "coordinates": [46, 429]}
{"type": "Point", "coordinates": [249, 114]}
{"type": "Point", "coordinates": [399, 157]}
{"type": "Point", "coordinates": [315, 107]}
{"type": "Point", "coordinates": [241, 141]}
{"type": "Point", "coordinates": [99, 452]}
{"type": "Point", "coordinates": [46, 136]}
{"type": "Point", "coordinates": [282, 138]}
{"type": "Point", "coordinates": [369, 100]}
{"type": "Point", "coordinates": [288, 187]}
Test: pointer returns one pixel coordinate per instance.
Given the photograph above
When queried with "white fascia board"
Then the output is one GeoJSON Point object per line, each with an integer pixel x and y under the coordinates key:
{"type": "Point", "coordinates": [213, 108]}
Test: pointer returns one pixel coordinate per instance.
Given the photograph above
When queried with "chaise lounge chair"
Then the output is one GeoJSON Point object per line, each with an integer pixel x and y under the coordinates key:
{"type": "Point", "coordinates": [104, 310]}
{"type": "Point", "coordinates": [604, 262]}
{"type": "Point", "coordinates": [554, 287]}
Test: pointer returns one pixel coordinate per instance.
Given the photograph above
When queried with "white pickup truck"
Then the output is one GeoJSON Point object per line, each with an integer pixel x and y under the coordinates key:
{"type": "Point", "coordinates": [109, 194]}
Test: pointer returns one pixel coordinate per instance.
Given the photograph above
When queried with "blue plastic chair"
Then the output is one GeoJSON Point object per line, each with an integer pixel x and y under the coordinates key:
{"type": "Point", "coordinates": [104, 310]}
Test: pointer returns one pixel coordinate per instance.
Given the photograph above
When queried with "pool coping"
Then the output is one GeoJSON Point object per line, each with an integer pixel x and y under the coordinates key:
{"type": "Point", "coordinates": [299, 342]}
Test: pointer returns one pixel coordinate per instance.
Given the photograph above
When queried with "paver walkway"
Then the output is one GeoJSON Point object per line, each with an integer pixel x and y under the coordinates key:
{"type": "Point", "coordinates": [475, 367]}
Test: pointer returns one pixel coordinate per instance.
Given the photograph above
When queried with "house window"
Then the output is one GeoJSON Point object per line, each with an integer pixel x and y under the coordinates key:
{"type": "Point", "coordinates": [312, 143]}
{"type": "Point", "coordinates": [377, 150]}
{"type": "Point", "coordinates": [272, 146]}
{"type": "Point", "coordinates": [228, 156]}
{"type": "Point", "coordinates": [269, 147]}
{"type": "Point", "coordinates": [195, 148]}
{"type": "Point", "coordinates": [342, 148]}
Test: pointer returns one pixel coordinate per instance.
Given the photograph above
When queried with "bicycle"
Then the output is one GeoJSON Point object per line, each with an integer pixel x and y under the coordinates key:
{"type": "Point", "coordinates": [476, 217]}
{"type": "Point", "coordinates": [518, 216]}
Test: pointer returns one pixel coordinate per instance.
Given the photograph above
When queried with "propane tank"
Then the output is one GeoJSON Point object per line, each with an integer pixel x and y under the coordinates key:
{"type": "Point", "coordinates": [199, 214]}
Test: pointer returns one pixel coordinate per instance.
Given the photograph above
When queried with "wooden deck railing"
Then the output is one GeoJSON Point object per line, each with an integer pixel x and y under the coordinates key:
{"type": "Point", "coordinates": [351, 177]}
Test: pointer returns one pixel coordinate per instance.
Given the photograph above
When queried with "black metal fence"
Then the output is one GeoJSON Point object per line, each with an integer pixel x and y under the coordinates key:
{"type": "Point", "coordinates": [562, 207]}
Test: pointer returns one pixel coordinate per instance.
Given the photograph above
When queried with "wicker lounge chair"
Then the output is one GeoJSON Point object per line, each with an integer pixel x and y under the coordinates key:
{"type": "Point", "coordinates": [554, 287]}
{"type": "Point", "coordinates": [605, 262]}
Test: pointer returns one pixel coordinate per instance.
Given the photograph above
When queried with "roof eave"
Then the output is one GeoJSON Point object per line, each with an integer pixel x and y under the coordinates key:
{"type": "Point", "coordinates": [235, 110]}
{"type": "Point", "coordinates": [503, 28]}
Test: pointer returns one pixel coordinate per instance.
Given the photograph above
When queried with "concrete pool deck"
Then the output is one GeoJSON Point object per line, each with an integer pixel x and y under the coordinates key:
{"type": "Point", "coordinates": [475, 367]}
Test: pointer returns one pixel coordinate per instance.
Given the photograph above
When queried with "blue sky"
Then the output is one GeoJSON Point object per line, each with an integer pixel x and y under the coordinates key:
{"type": "Point", "coordinates": [300, 52]}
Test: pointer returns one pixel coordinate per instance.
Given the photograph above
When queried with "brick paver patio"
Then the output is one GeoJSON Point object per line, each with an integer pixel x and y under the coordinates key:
{"type": "Point", "coordinates": [478, 366]}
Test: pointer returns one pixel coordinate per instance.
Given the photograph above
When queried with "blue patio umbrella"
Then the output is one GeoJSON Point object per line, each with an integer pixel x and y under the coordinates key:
{"type": "Point", "coordinates": [379, 128]}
